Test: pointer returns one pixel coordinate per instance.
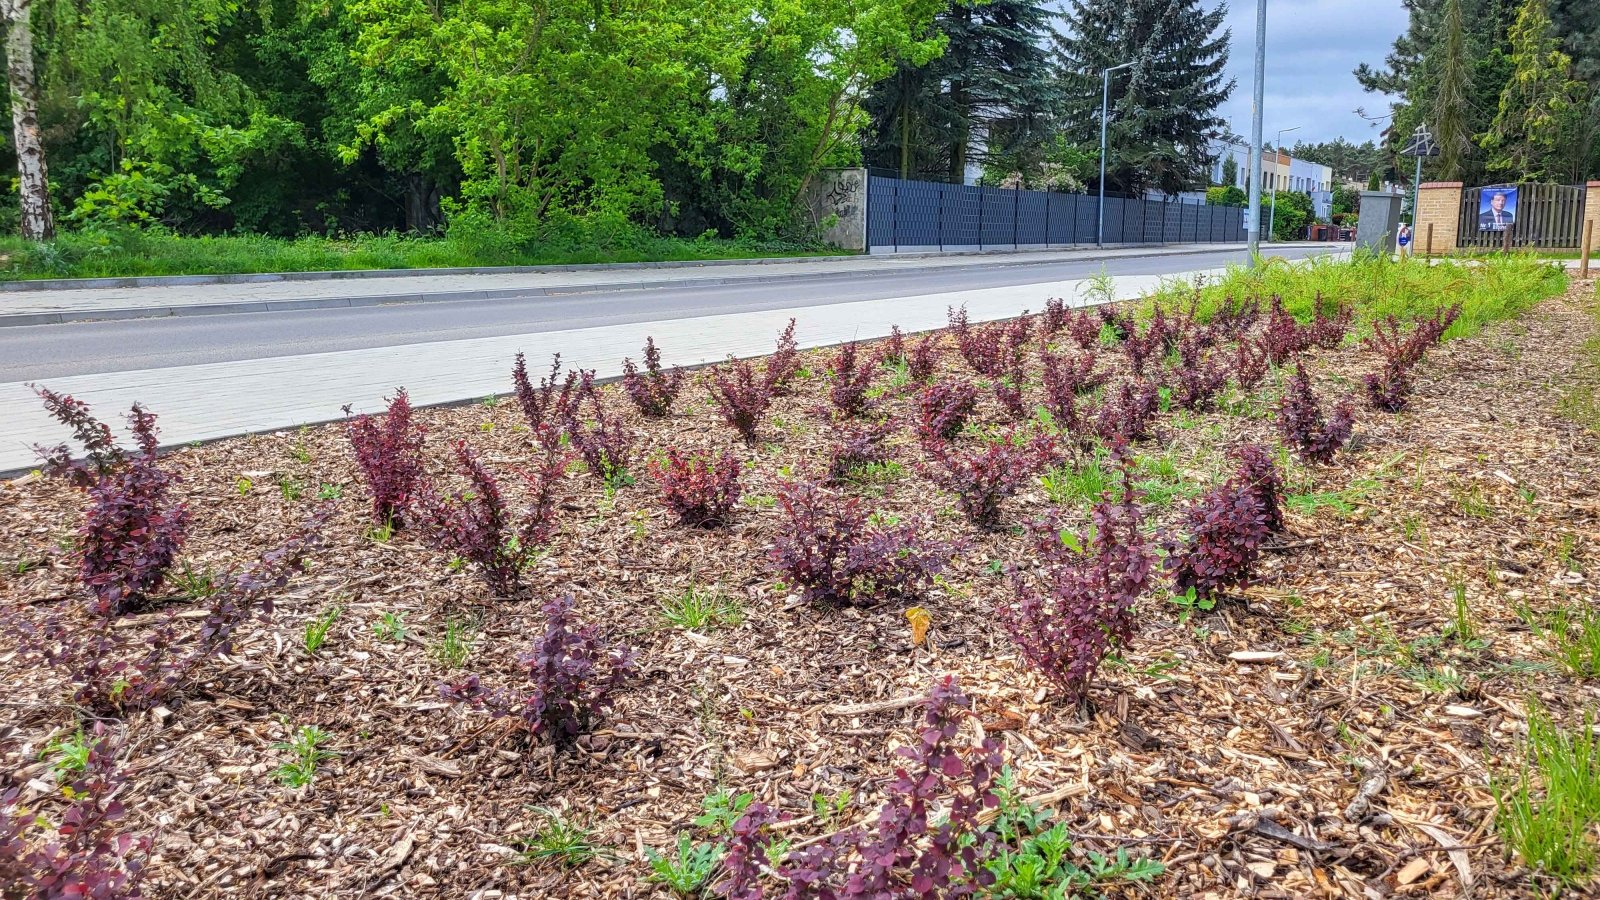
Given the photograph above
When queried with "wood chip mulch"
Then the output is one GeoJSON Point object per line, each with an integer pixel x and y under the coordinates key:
{"type": "Point", "coordinates": [1319, 733]}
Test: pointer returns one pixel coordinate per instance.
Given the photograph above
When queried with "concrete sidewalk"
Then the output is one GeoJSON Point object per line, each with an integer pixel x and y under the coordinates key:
{"type": "Point", "coordinates": [203, 402]}
{"type": "Point", "coordinates": [42, 307]}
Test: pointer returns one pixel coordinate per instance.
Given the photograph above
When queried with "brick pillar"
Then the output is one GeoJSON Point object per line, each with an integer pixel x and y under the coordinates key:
{"type": "Point", "coordinates": [1438, 204]}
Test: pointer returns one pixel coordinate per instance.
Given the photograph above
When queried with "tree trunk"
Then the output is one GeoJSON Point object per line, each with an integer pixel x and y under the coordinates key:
{"type": "Point", "coordinates": [37, 224]}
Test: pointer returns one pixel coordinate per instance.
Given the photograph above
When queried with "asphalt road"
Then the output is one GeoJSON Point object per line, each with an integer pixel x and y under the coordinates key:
{"type": "Point", "coordinates": [53, 351]}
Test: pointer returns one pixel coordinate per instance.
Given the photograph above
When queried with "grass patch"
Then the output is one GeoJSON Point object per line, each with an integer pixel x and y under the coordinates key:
{"type": "Point", "coordinates": [701, 608]}
{"type": "Point", "coordinates": [1546, 812]}
{"type": "Point", "coordinates": [1489, 288]}
{"type": "Point", "coordinates": [131, 252]}
{"type": "Point", "coordinates": [1580, 401]}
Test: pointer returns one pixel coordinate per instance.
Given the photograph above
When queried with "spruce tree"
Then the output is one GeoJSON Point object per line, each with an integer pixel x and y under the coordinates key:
{"type": "Point", "coordinates": [1542, 107]}
{"type": "Point", "coordinates": [986, 100]}
{"type": "Point", "coordinates": [1164, 105]}
{"type": "Point", "coordinates": [1452, 97]}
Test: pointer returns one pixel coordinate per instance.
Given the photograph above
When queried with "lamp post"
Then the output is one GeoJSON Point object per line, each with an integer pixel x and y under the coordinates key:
{"type": "Point", "coordinates": [1253, 229]}
{"type": "Point", "coordinates": [1105, 103]}
{"type": "Point", "coordinates": [1272, 218]}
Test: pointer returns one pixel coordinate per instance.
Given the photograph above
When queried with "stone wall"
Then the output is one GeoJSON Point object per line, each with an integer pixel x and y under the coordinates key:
{"type": "Point", "coordinates": [1438, 205]}
{"type": "Point", "coordinates": [836, 202]}
{"type": "Point", "coordinates": [1591, 215]}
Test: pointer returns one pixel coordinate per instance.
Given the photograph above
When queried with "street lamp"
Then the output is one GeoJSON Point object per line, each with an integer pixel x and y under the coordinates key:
{"type": "Point", "coordinates": [1105, 102]}
{"type": "Point", "coordinates": [1277, 151]}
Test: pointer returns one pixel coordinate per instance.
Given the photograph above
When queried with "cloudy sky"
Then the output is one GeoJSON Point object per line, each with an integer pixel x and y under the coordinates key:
{"type": "Point", "coordinates": [1312, 48]}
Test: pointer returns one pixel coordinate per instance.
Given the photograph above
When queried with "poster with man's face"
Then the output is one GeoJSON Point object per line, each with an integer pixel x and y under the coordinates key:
{"type": "Point", "coordinates": [1497, 208]}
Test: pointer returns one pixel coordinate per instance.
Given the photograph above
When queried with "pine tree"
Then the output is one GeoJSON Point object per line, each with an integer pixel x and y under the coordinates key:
{"type": "Point", "coordinates": [1164, 105]}
{"type": "Point", "coordinates": [987, 100]}
{"type": "Point", "coordinates": [1541, 107]}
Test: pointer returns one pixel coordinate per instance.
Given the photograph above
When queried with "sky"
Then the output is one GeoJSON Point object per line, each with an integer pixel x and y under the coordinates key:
{"type": "Point", "coordinates": [1313, 46]}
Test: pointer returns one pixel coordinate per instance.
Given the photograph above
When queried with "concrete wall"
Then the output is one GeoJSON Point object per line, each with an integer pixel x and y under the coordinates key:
{"type": "Point", "coordinates": [836, 201]}
{"type": "Point", "coordinates": [1438, 205]}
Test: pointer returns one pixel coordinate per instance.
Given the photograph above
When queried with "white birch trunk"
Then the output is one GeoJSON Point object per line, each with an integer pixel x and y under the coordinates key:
{"type": "Point", "coordinates": [37, 223]}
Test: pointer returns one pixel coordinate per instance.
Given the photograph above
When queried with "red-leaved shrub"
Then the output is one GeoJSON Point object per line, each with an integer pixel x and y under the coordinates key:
{"type": "Point", "coordinates": [74, 845]}
{"type": "Point", "coordinates": [1390, 388]}
{"type": "Point", "coordinates": [856, 446]}
{"type": "Point", "coordinates": [829, 548]}
{"type": "Point", "coordinates": [1197, 379]}
{"type": "Point", "coordinates": [113, 670]}
{"type": "Point", "coordinates": [654, 389]}
{"type": "Point", "coordinates": [572, 673]}
{"type": "Point", "coordinates": [853, 374]}
{"type": "Point", "coordinates": [1283, 338]}
{"type": "Point", "coordinates": [985, 475]}
{"type": "Point", "coordinates": [943, 409]}
{"type": "Point", "coordinates": [924, 357]}
{"type": "Point", "coordinates": [1301, 423]}
{"type": "Point", "coordinates": [1054, 317]}
{"type": "Point", "coordinates": [894, 347]}
{"type": "Point", "coordinates": [1083, 327]}
{"type": "Point", "coordinates": [389, 454]}
{"type": "Point", "coordinates": [992, 348]}
{"type": "Point", "coordinates": [928, 839]}
{"type": "Point", "coordinates": [1327, 332]}
{"type": "Point", "coordinates": [1080, 608]}
{"type": "Point", "coordinates": [132, 530]}
{"type": "Point", "coordinates": [741, 397]}
{"type": "Point", "coordinates": [1008, 389]}
{"type": "Point", "coordinates": [1127, 415]}
{"type": "Point", "coordinates": [1249, 364]}
{"type": "Point", "coordinates": [602, 441]}
{"type": "Point", "coordinates": [548, 404]}
{"type": "Point", "coordinates": [1223, 534]}
{"type": "Point", "coordinates": [478, 526]}
{"type": "Point", "coordinates": [1259, 473]}
{"type": "Point", "coordinates": [700, 490]}
{"type": "Point", "coordinates": [784, 363]}
{"type": "Point", "coordinates": [102, 455]}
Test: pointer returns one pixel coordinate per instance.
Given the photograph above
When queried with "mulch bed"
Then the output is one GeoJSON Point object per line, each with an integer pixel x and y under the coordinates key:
{"type": "Point", "coordinates": [1314, 734]}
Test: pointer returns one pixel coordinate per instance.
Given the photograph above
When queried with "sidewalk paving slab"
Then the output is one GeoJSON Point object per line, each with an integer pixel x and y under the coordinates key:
{"type": "Point", "coordinates": [216, 400]}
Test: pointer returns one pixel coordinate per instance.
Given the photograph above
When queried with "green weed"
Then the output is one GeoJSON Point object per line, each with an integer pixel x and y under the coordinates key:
{"type": "Point", "coordinates": [305, 750]}
{"type": "Point", "coordinates": [701, 608]}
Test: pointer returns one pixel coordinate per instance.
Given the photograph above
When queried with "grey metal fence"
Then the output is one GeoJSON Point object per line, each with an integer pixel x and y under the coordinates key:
{"type": "Point", "coordinates": [928, 215]}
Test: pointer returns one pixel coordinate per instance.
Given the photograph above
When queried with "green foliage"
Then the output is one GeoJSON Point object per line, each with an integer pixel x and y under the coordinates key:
{"type": "Point", "coordinates": [317, 629]}
{"type": "Point", "coordinates": [1490, 289]}
{"type": "Point", "coordinates": [1033, 862]}
{"type": "Point", "coordinates": [71, 755]}
{"type": "Point", "coordinates": [686, 871]}
{"type": "Point", "coordinates": [561, 839]}
{"type": "Point", "coordinates": [306, 753]}
{"type": "Point", "coordinates": [1227, 195]}
{"type": "Point", "coordinates": [1542, 110]}
{"type": "Point", "coordinates": [698, 608]}
{"type": "Point", "coordinates": [390, 627]}
{"type": "Point", "coordinates": [1546, 813]}
{"type": "Point", "coordinates": [1575, 639]}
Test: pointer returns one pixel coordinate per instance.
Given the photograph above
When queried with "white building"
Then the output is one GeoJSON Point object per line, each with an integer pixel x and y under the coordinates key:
{"type": "Point", "coordinates": [1283, 173]}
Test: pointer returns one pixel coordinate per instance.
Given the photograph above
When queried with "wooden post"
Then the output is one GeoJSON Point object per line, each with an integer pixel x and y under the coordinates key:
{"type": "Point", "coordinates": [1430, 239]}
{"type": "Point", "coordinates": [1588, 243]}
{"type": "Point", "coordinates": [1505, 240]}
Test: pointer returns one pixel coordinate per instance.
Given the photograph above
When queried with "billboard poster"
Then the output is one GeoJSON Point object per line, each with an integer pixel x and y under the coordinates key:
{"type": "Point", "coordinates": [1497, 208]}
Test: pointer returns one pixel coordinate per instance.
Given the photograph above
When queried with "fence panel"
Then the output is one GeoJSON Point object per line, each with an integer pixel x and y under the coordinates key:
{"type": "Point", "coordinates": [963, 211]}
{"type": "Point", "coordinates": [917, 212]}
{"type": "Point", "coordinates": [997, 217]}
{"type": "Point", "coordinates": [1540, 215]}
{"type": "Point", "coordinates": [922, 215]}
{"type": "Point", "coordinates": [1033, 218]}
{"type": "Point", "coordinates": [881, 206]}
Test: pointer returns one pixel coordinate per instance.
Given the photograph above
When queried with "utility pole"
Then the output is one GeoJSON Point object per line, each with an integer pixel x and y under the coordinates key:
{"type": "Point", "coordinates": [1253, 229]}
{"type": "Point", "coordinates": [1105, 104]}
{"type": "Point", "coordinates": [1277, 154]}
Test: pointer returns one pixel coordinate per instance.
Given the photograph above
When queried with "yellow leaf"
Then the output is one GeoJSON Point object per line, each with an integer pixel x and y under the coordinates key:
{"type": "Point", "coordinates": [920, 620]}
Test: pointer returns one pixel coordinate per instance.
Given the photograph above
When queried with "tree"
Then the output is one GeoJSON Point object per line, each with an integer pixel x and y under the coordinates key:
{"type": "Point", "coordinates": [33, 183]}
{"type": "Point", "coordinates": [1351, 162]}
{"type": "Point", "coordinates": [988, 98]}
{"type": "Point", "coordinates": [1541, 107]}
{"type": "Point", "coordinates": [1165, 103]}
{"type": "Point", "coordinates": [1452, 97]}
{"type": "Point", "coordinates": [1230, 172]}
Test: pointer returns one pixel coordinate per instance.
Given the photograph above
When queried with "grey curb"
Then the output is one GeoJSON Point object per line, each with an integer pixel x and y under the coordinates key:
{"type": "Point", "coordinates": [245, 306]}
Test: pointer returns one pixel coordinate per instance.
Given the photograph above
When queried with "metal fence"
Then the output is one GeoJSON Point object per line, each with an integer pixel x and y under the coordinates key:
{"type": "Point", "coordinates": [926, 215]}
{"type": "Point", "coordinates": [1543, 215]}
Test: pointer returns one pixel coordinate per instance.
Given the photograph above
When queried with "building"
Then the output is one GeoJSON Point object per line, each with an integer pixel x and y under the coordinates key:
{"type": "Point", "coordinates": [1281, 172]}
